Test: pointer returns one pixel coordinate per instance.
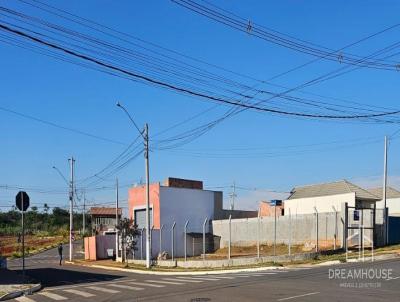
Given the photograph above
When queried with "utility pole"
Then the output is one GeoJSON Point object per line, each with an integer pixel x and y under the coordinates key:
{"type": "Point", "coordinates": [233, 195]}
{"type": "Point", "coordinates": [384, 189]}
{"type": "Point", "coordinates": [84, 213]}
{"type": "Point", "coordinates": [71, 205]}
{"type": "Point", "coordinates": [23, 238]}
{"type": "Point", "coordinates": [116, 218]}
{"type": "Point", "coordinates": [274, 230]}
{"type": "Point", "coordinates": [145, 135]}
{"type": "Point", "coordinates": [146, 156]}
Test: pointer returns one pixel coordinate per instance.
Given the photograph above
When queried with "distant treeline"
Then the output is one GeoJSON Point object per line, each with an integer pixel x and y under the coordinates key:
{"type": "Point", "coordinates": [47, 223]}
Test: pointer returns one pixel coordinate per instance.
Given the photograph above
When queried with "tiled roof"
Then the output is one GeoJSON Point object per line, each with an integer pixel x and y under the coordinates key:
{"type": "Point", "coordinates": [390, 192]}
{"type": "Point", "coordinates": [104, 211]}
{"type": "Point", "coordinates": [332, 188]}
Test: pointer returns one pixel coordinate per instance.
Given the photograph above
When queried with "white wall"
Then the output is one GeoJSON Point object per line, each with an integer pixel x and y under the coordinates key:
{"type": "Point", "coordinates": [393, 204]}
{"type": "Point", "coordinates": [297, 229]}
{"type": "Point", "coordinates": [179, 205]}
{"type": "Point", "coordinates": [323, 204]}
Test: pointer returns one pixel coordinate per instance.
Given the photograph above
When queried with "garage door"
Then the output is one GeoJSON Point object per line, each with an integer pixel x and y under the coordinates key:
{"type": "Point", "coordinates": [140, 218]}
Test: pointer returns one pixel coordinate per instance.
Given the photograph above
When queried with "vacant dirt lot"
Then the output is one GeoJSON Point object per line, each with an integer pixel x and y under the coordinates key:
{"type": "Point", "coordinates": [9, 245]}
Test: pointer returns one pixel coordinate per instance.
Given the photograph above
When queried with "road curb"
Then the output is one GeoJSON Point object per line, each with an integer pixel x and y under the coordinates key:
{"type": "Point", "coordinates": [213, 272]}
{"type": "Point", "coordinates": [327, 263]}
{"type": "Point", "coordinates": [377, 257]}
{"type": "Point", "coordinates": [18, 293]}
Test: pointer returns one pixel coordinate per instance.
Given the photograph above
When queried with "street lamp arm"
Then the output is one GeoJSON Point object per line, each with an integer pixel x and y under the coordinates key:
{"type": "Point", "coordinates": [59, 172]}
{"type": "Point", "coordinates": [130, 117]}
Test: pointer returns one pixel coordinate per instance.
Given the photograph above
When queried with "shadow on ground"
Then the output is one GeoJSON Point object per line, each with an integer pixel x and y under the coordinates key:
{"type": "Point", "coordinates": [50, 277]}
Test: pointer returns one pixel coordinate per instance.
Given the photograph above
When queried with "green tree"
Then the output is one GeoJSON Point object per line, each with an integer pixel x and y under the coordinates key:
{"type": "Point", "coordinates": [128, 232]}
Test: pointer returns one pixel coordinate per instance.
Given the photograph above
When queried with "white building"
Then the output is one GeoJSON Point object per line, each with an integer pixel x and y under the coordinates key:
{"type": "Point", "coordinates": [392, 200]}
{"type": "Point", "coordinates": [326, 197]}
{"type": "Point", "coordinates": [174, 204]}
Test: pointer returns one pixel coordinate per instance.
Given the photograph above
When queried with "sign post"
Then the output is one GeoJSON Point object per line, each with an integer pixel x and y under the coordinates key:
{"type": "Point", "coordinates": [22, 203]}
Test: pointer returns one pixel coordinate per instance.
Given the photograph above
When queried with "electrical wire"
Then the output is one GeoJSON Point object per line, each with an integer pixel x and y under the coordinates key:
{"type": "Point", "coordinates": [231, 20]}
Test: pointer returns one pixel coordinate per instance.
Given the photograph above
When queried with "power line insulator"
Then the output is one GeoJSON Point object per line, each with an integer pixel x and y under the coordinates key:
{"type": "Point", "coordinates": [249, 27]}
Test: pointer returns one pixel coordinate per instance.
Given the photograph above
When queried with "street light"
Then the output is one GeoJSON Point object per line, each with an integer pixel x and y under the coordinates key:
{"type": "Point", "coordinates": [71, 202]}
{"type": "Point", "coordinates": [145, 134]}
{"type": "Point", "coordinates": [62, 175]}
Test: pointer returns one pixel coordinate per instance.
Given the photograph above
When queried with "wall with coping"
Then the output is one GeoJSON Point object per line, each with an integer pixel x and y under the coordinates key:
{"type": "Point", "coordinates": [297, 229]}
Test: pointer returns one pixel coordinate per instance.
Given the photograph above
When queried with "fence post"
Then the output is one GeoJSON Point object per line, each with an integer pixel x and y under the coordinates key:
{"type": "Point", "coordinates": [184, 239]}
{"type": "Point", "coordinates": [290, 233]}
{"type": "Point", "coordinates": [141, 243]}
{"type": "Point", "coordinates": [258, 234]}
{"type": "Point", "coordinates": [173, 240]}
{"type": "Point", "coordinates": [372, 249]}
{"type": "Point", "coordinates": [345, 221]}
{"type": "Point", "coordinates": [359, 235]}
{"type": "Point", "coordinates": [335, 234]}
{"type": "Point", "coordinates": [125, 259]}
{"type": "Point", "coordinates": [230, 238]}
{"type": "Point", "coordinates": [204, 238]}
{"type": "Point", "coordinates": [316, 229]}
{"type": "Point", "coordinates": [362, 235]}
{"type": "Point", "coordinates": [151, 241]}
{"type": "Point", "coordinates": [160, 248]}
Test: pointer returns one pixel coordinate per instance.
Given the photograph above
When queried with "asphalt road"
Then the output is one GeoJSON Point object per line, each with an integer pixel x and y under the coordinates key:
{"type": "Point", "coordinates": [76, 283]}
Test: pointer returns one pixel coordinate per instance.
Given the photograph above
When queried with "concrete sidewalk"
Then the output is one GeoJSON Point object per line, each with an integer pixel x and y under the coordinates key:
{"type": "Point", "coordinates": [12, 285]}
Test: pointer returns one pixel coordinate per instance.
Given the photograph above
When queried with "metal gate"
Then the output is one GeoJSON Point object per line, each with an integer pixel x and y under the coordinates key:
{"type": "Point", "coordinates": [360, 230]}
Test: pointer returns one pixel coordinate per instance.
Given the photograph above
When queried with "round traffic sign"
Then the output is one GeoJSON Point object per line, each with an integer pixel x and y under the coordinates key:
{"type": "Point", "coordinates": [22, 201]}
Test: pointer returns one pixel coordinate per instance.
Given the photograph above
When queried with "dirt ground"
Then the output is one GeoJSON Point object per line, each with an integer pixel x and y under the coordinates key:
{"type": "Point", "coordinates": [9, 245]}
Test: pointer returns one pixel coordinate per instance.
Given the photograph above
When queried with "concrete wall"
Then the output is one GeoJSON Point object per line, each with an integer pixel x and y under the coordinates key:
{"type": "Point", "coordinates": [300, 229]}
{"type": "Point", "coordinates": [96, 246]}
{"type": "Point", "coordinates": [323, 204]}
{"type": "Point", "coordinates": [393, 204]}
{"type": "Point", "coordinates": [194, 245]}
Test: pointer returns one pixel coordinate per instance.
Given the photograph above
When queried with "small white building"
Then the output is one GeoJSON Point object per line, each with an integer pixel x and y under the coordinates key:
{"type": "Point", "coordinates": [176, 203]}
{"type": "Point", "coordinates": [326, 197]}
{"type": "Point", "coordinates": [392, 200]}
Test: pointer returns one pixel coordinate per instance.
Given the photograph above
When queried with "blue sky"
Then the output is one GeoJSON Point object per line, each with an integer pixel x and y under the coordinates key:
{"type": "Point", "coordinates": [84, 99]}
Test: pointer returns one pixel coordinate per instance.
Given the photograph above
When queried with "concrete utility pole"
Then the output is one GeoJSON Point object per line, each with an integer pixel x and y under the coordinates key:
{"type": "Point", "coordinates": [384, 189]}
{"type": "Point", "coordinates": [146, 157]}
{"type": "Point", "coordinates": [84, 213]}
{"type": "Point", "coordinates": [233, 195]}
{"type": "Point", "coordinates": [230, 237]}
{"type": "Point", "coordinates": [274, 230]}
{"type": "Point", "coordinates": [23, 238]}
{"type": "Point", "coordinates": [145, 135]}
{"type": "Point", "coordinates": [71, 205]}
{"type": "Point", "coordinates": [116, 218]}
